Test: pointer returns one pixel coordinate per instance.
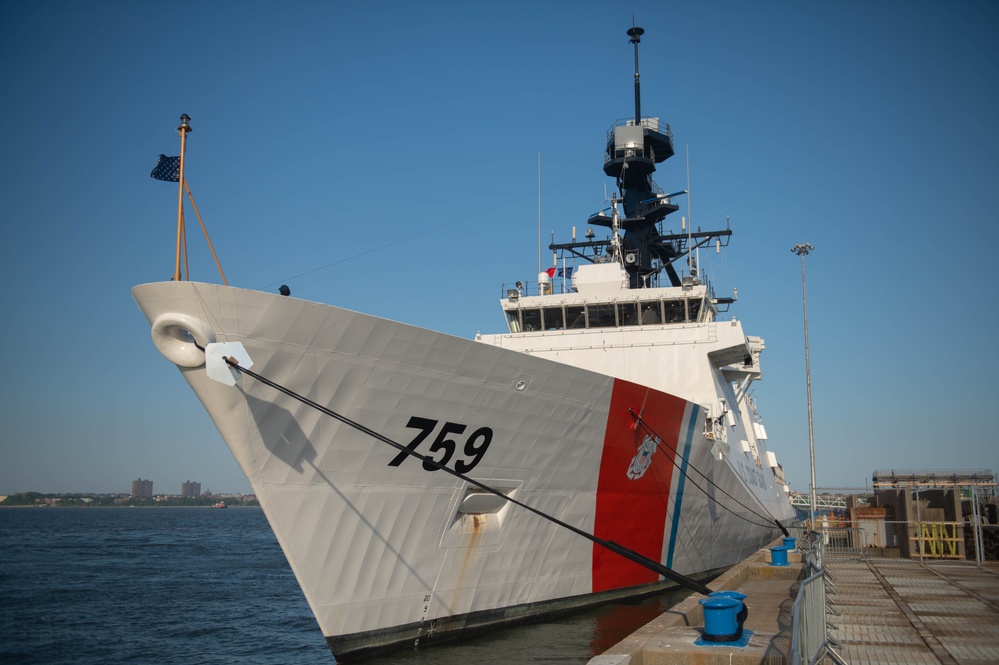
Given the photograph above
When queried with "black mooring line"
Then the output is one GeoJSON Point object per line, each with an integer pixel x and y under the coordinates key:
{"type": "Point", "coordinates": [629, 554]}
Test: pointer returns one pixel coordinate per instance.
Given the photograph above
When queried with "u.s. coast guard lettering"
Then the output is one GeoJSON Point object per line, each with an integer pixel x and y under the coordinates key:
{"type": "Point", "coordinates": [474, 448]}
{"type": "Point", "coordinates": [753, 477]}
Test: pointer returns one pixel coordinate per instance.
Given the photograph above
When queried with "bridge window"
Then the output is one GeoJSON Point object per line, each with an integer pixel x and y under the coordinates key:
{"type": "Point", "coordinates": [575, 316]}
{"type": "Point", "coordinates": [651, 313]}
{"type": "Point", "coordinates": [600, 316]}
{"type": "Point", "coordinates": [675, 312]}
{"type": "Point", "coordinates": [513, 319]}
{"type": "Point", "coordinates": [627, 314]}
{"type": "Point", "coordinates": [553, 318]}
{"type": "Point", "coordinates": [693, 309]}
{"type": "Point", "coordinates": [532, 319]}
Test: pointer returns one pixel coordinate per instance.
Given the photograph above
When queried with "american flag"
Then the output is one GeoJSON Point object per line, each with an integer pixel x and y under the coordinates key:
{"type": "Point", "coordinates": [168, 169]}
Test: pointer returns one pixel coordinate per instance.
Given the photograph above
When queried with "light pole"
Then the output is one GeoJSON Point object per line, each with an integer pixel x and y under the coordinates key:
{"type": "Point", "coordinates": [802, 250]}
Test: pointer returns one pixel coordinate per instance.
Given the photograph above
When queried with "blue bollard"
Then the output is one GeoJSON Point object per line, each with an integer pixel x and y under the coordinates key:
{"type": "Point", "coordinates": [738, 595]}
{"type": "Point", "coordinates": [743, 612]}
{"type": "Point", "coordinates": [790, 543]}
{"type": "Point", "coordinates": [720, 622]}
{"type": "Point", "coordinates": [778, 556]}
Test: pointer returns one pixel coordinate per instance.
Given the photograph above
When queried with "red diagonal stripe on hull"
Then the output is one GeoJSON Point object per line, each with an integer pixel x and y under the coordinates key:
{"type": "Point", "coordinates": [633, 512]}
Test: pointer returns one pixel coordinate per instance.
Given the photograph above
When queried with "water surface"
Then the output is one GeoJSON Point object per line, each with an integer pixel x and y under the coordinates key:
{"type": "Point", "coordinates": [196, 585]}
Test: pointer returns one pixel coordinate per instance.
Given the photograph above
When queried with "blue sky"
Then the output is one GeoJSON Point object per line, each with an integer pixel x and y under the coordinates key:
{"type": "Point", "coordinates": [385, 158]}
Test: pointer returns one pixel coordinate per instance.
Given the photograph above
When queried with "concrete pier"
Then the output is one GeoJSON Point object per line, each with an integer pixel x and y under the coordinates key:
{"type": "Point", "coordinates": [670, 639]}
{"type": "Point", "coordinates": [901, 611]}
{"type": "Point", "coordinates": [885, 611]}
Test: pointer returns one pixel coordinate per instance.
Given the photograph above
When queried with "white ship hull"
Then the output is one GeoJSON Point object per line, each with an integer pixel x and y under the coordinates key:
{"type": "Point", "coordinates": [389, 553]}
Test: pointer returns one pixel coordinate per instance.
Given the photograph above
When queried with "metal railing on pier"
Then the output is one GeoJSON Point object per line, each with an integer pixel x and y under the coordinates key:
{"type": "Point", "coordinates": [892, 539]}
{"type": "Point", "coordinates": [810, 640]}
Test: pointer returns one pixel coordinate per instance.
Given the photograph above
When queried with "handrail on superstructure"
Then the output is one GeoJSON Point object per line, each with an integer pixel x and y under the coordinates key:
{"type": "Point", "coordinates": [648, 122]}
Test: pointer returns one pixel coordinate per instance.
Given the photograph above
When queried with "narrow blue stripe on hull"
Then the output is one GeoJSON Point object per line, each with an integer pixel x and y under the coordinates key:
{"type": "Point", "coordinates": [691, 425]}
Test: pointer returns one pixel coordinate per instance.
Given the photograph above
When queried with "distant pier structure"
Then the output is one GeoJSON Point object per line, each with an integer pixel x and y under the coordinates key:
{"type": "Point", "coordinates": [914, 514]}
{"type": "Point", "coordinates": [927, 508]}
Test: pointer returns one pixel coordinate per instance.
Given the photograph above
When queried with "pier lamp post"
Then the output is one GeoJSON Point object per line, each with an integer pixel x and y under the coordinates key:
{"type": "Point", "coordinates": [803, 250]}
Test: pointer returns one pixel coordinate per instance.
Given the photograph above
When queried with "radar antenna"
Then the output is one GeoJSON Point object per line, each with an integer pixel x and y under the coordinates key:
{"type": "Point", "coordinates": [634, 147]}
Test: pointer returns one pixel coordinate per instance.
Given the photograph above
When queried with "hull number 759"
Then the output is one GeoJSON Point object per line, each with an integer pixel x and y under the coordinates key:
{"type": "Point", "coordinates": [444, 447]}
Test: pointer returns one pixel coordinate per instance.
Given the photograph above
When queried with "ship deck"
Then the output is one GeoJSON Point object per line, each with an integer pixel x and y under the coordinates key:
{"type": "Point", "coordinates": [883, 611]}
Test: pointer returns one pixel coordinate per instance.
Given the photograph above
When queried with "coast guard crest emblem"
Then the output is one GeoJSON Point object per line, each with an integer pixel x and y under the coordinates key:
{"type": "Point", "coordinates": [640, 463]}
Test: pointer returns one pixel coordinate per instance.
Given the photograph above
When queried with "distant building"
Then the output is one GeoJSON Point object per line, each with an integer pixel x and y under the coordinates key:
{"type": "Point", "coordinates": [142, 488]}
{"type": "Point", "coordinates": [190, 489]}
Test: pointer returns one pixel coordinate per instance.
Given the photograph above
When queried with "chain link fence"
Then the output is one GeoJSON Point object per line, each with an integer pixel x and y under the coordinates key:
{"type": "Point", "coordinates": [908, 522]}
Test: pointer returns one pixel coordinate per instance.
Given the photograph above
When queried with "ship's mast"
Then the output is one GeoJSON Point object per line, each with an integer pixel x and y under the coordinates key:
{"type": "Point", "coordinates": [634, 147]}
{"type": "Point", "coordinates": [636, 36]}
